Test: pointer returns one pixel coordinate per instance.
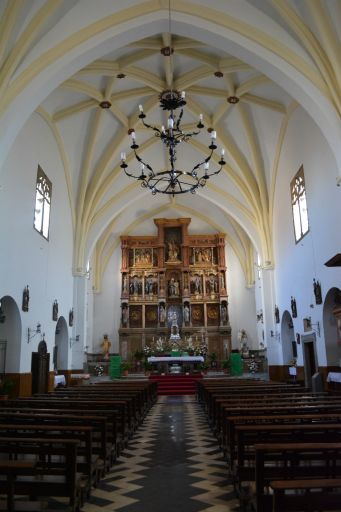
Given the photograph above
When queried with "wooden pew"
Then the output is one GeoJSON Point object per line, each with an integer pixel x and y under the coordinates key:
{"type": "Point", "coordinates": [119, 407]}
{"type": "Point", "coordinates": [293, 461]}
{"type": "Point", "coordinates": [243, 469]}
{"type": "Point", "coordinates": [45, 480]}
{"type": "Point", "coordinates": [306, 495]}
{"type": "Point", "coordinates": [86, 463]}
{"type": "Point", "coordinates": [104, 425]}
{"type": "Point", "coordinates": [10, 470]}
{"type": "Point", "coordinates": [230, 440]}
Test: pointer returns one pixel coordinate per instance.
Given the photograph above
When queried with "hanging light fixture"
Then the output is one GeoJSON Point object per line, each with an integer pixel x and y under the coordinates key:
{"type": "Point", "coordinates": [172, 180]}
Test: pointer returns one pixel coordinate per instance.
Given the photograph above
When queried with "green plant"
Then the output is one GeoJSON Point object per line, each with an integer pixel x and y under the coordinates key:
{"type": "Point", "coordinates": [213, 359]}
{"type": "Point", "coordinates": [6, 387]}
{"type": "Point", "coordinates": [148, 366]}
{"type": "Point", "coordinates": [204, 366]}
{"type": "Point", "coordinates": [225, 364]}
{"type": "Point", "coordinates": [125, 366]}
{"type": "Point", "coordinates": [139, 355]}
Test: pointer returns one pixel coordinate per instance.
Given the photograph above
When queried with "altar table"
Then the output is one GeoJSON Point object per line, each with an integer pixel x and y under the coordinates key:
{"type": "Point", "coordinates": [164, 362]}
{"type": "Point", "coordinates": [173, 359]}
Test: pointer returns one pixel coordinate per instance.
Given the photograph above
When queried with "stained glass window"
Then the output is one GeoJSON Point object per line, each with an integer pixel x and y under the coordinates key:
{"type": "Point", "coordinates": [42, 203]}
{"type": "Point", "coordinates": [299, 205]}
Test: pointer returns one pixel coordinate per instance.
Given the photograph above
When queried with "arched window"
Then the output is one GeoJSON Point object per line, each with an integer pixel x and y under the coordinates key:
{"type": "Point", "coordinates": [42, 203]}
{"type": "Point", "coordinates": [299, 205]}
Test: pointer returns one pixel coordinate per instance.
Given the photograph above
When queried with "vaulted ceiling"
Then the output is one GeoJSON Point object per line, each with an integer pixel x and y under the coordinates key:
{"type": "Point", "coordinates": [62, 58]}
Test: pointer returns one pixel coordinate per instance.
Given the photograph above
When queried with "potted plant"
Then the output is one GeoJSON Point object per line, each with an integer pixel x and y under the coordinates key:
{"type": "Point", "coordinates": [213, 359]}
{"type": "Point", "coordinates": [125, 367]}
{"type": "Point", "coordinates": [138, 356]}
{"type": "Point", "coordinates": [5, 389]}
{"type": "Point", "coordinates": [225, 365]}
{"type": "Point", "coordinates": [147, 368]}
{"type": "Point", "coordinates": [204, 368]}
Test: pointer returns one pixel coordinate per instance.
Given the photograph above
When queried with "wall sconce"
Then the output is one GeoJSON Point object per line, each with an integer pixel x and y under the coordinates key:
{"type": "Point", "coordinates": [74, 340]}
{"type": "Point", "coordinates": [275, 335]}
{"type": "Point", "coordinates": [31, 333]}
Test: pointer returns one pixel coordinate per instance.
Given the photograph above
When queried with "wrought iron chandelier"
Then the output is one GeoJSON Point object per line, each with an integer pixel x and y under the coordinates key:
{"type": "Point", "coordinates": [173, 180]}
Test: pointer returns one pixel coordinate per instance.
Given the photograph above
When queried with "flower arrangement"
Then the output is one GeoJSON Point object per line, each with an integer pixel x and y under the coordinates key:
{"type": "Point", "coordinates": [99, 370]}
{"type": "Point", "coordinates": [253, 366]}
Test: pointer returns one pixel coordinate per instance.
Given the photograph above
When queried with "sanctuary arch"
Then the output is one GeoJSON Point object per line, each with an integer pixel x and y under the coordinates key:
{"type": "Point", "coordinates": [174, 275]}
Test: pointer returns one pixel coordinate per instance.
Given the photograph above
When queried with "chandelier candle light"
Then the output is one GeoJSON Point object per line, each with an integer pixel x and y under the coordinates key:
{"type": "Point", "coordinates": [173, 181]}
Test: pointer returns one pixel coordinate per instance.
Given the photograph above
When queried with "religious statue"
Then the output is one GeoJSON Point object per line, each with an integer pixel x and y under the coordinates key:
{"type": "Point", "coordinates": [212, 284]}
{"type": "Point", "coordinates": [186, 314]}
{"type": "Point", "coordinates": [148, 287]}
{"type": "Point", "coordinates": [174, 325]}
{"type": "Point", "coordinates": [25, 299]}
{"type": "Point", "coordinates": [135, 286]}
{"type": "Point", "coordinates": [106, 344]}
{"type": "Point", "coordinates": [125, 316]}
{"type": "Point", "coordinates": [173, 250]}
{"type": "Point", "coordinates": [71, 317]}
{"type": "Point", "coordinates": [197, 284]}
{"type": "Point", "coordinates": [293, 307]}
{"type": "Point", "coordinates": [173, 287]}
{"type": "Point", "coordinates": [222, 281]}
{"type": "Point", "coordinates": [162, 314]}
{"type": "Point", "coordinates": [317, 291]}
{"type": "Point", "coordinates": [276, 315]}
{"type": "Point", "coordinates": [223, 314]}
{"type": "Point", "coordinates": [125, 283]}
{"type": "Point", "coordinates": [55, 311]}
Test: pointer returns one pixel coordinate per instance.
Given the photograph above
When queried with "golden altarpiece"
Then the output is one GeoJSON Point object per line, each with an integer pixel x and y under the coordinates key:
{"type": "Point", "coordinates": [174, 275]}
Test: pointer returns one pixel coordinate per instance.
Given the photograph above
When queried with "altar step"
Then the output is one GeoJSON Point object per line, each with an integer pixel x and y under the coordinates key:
{"type": "Point", "coordinates": [176, 384]}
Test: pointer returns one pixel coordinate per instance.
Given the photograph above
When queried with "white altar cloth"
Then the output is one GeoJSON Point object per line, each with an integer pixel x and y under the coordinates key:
{"type": "Point", "coordinates": [334, 377]}
{"type": "Point", "coordinates": [169, 359]}
{"type": "Point", "coordinates": [59, 380]}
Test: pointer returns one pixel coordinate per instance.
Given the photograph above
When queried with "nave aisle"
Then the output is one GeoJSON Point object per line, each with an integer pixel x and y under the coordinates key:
{"type": "Point", "coordinates": [173, 463]}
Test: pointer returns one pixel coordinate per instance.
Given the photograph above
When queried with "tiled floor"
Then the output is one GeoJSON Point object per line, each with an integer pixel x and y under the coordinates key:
{"type": "Point", "coordinates": [173, 464]}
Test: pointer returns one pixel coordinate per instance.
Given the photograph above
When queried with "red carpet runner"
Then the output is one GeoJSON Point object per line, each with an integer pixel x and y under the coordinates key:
{"type": "Point", "coordinates": [176, 384]}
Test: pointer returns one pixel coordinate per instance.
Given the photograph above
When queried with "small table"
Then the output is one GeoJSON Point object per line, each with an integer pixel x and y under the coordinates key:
{"type": "Point", "coordinates": [334, 377]}
{"type": "Point", "coordinates": [59, 380]}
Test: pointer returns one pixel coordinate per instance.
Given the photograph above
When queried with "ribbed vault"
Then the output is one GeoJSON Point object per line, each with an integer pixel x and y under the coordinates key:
{"type": "Point", "coordinates": [62, 60]}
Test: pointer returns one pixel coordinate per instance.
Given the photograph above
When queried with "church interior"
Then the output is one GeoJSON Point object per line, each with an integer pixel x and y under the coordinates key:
{"type": "Point", "coordinates": [171, 259]}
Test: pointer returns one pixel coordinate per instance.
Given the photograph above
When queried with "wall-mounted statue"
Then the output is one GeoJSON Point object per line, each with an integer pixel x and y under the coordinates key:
{"type": "Point", "coordinates": [25, 299]}
{"type": "Point", "coordinates": [55, 311]}
{"type": "Point", "coordinates": [293, 307]}
{"type": "Point", "coordinates": [317, 291]}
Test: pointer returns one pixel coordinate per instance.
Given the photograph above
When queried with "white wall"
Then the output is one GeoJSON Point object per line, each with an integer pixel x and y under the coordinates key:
{"type": "Point", "coordinates": [242, 303]}
{"type": "Point", "coordinates": [106, 305]}
{"type": "Point", "coordinates": [26, 257]}
{"type": "Point", "coordinates": [297, 264]}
